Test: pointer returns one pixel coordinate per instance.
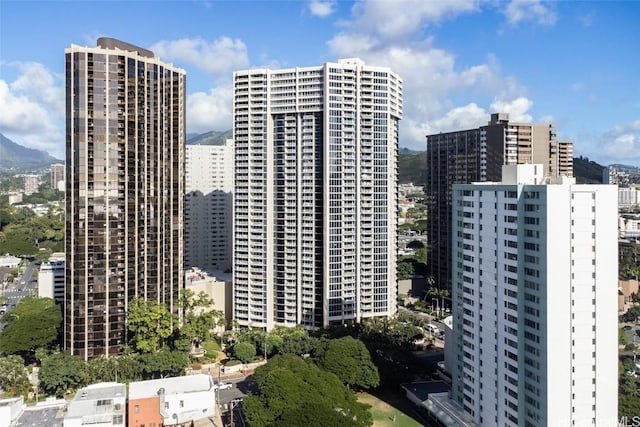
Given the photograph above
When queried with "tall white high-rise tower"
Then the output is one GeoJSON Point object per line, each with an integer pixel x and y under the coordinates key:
{"type": "Point", "coordinates": [535, 301]}
{"type": "Point", "coordinates": [315, 196]}
{"type": "Point", "coordinates": [208, 206]}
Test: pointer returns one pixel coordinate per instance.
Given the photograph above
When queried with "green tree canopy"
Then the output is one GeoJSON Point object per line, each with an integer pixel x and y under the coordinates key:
{"type": "Point", "coordinates": [13, 376]}
{"type": "Point", "coordinates": [293, 340]}
{"type": "Point", "coordinates": [150, 323]}
{"type": "Point", "coordinates": [293, 391]}
{"type": "Point", "coordinates": [349, 359]}
{"type": "Point", "coordinates": [34, 323]}
{"type": "Point", "coordinates": [62, 372]}
{"type": "Point", "coordinates": [198, 317]}
{"type": "Point", "coordinates": [633, 313]}
{"type": "Point", "coordinates": [244, 351]}
{"type": "Point", "coordinates": [124, 368]}
{"type": "Point", "coordinates": [163, 363]}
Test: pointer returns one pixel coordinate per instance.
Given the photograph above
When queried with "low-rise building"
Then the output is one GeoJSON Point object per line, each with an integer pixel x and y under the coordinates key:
{"type": "Point", "coordinates": [629, 228]}
{"type": "Point", "coordinates": [15, 198]}
{"type": "Point", "coordinates": [98, 405]}
{"type": "Point", "coordinates": [51, 278]}
{"type": "Point", "coordinates": [171, 401]}
{"type": "Point", "coordinates": [10, 410]}
{"type": "Point", "coordinates": [626, 288]}
{"type": "Point", "coordinates": [9, 261]}
{"type": "Point", "coordinates": [217, 286]}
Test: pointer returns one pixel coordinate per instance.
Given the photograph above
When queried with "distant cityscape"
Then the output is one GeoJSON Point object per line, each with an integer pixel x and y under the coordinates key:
{"type": "Point", "coordinates": [188, 281]}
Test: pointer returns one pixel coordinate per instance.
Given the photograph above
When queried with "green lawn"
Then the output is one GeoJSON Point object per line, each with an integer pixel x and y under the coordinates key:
{"type": "Point", "coordinates": [383, 413]}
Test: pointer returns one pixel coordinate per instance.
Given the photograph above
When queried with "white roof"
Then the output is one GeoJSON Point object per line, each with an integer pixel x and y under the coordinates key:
{"type": "Point", "coordinates": [174, 385]}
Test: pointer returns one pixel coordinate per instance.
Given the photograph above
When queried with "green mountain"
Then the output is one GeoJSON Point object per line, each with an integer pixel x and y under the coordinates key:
{"type": "Point", "coordinates": [587, 171]}
{"type": "Point", "coordinates": [210, 138]}
{"type": "Point", "coordinates": [412, 167]}
{"type": "Point", "coordinates": [15, 157]}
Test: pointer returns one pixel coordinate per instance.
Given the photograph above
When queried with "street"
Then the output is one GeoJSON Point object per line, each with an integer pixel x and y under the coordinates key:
{"type": "Point", "coordinates": [22, 286]}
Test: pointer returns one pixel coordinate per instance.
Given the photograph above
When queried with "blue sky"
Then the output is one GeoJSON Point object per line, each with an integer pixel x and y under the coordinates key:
{"type": "Point", "coordinates": [574, 64]}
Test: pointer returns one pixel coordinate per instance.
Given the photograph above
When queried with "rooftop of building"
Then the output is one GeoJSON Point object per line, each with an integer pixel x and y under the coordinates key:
{"type": "Point", "coordinates": [111, 43]}
{"type": "Point", "coordinates": [174, 385]}
{"type": "Point", "coordinates": [423, 389]}
{"type": "Point", "coordinates": [195, 275]}
{"type": "Point", "coordinates": [97, 403]}
{"type": "Point", "coordinates": [100, 391]}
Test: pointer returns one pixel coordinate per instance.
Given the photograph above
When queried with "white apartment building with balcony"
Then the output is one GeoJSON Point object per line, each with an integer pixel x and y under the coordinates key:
{"type": "Point", "coordinates": [208, 206]}
{"type": "Point", "coordinates": [51, 278]}
{"type": "Point", "coordinates": [534, 301]}
{"type": "Point", "coordinates": [315, 199]}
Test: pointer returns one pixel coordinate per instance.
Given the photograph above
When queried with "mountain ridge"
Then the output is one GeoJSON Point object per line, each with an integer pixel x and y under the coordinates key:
{"type": "Point", "coordinates": [16, 156]}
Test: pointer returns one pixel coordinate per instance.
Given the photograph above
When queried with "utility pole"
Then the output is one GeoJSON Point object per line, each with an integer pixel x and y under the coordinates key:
{"type": "Point", "coordinates": [232, 405]}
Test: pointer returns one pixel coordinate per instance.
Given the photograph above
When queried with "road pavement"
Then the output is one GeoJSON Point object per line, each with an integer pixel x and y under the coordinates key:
{"type": "Point", "coordinates": [23, 286]}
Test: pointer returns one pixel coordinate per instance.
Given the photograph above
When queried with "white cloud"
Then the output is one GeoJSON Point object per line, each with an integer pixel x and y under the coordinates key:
{"type": "Point", "coordinates": [322, 9]}
{"type": "Point", "coordinates": [218, 57]}
{"type": "Point", "coordinates": [466, 117]}
{"type": "Point", "coordinates": [396, 19]}
{"type": "Point", "coordinates": [519, 11]}
{"type": "Point", "coordinates": [210, 111]}
{"type": "Point", "coordinates": [621, 144]}
{"type": "Point", "coordinates": [40, 84]}
{"type": "Point", "coordinates": [439, 95]}
{"type": "Point", "coordinates": [517, 108]}
{"type": "Point", "coordinates": [32, 108]}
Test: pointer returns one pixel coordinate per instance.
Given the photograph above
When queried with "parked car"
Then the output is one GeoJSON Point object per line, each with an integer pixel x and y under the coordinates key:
{"type": "Point", "coordinates": [224, 386]}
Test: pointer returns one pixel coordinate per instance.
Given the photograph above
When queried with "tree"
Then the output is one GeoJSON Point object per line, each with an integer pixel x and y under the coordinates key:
{"type": "Point", "coordinates": [150, 323]}
{"type": "Point", "coordinates": [244, 351]}
{"type": "Point", "coordinates": [633, 313]}
{"type": "Point", "coordinates": [628, 385]}
{"type": "Point", "coordinates": [405, 269]}
{"type": "Point", "coordinates": [62, 372]}
{"type": "Point", "coordinates": [436, 293]}
{"type": "Point", "coordinates": [293, 392]}
{"type": "Point", "coordinates": [13, 376]}
{"type": "Point", "coordinates": [349, 360]}
{"type": "Point", "coordinates": [198, 317]}
{"type": "Point", "coordinates": [623, 339]}
{"type": "Point", "coordinates": [125, 368]}
{"type": "Point", "coordinates": [34, 323]}
{"type": "Point", "coordinates": [415, 244]}
{"type": "Point", "coordinates": [164, 363]}
{"type": "Point", "coordinates": [293, 341]}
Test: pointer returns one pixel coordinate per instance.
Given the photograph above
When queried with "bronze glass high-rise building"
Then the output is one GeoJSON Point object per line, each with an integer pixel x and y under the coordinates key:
{"type": "Point", "coordinates": [125, 189]}
{"type": "Point", "coordinates": [467, 156]}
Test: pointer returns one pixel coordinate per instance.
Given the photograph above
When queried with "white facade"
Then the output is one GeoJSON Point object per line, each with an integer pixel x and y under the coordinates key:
{"type": "Point", "coordinates": [51, 278]}
{"type": "Point", "coordinates": [31, 184]}
{"type": "Point", "coordinates": [629, 228]}
{"type": "Point", "coordinates": [535, 303]}
{"type": "Point", "coordinates": [98, 405]}
{"type": "Point", "coordinates": [628, 197]}
{"type": "Point", "coordinates": [15, 198]}
{"type": "Point", "coordinates": [315, 200]}
{"type": "Point", "coordinates": [10, 410]}
{"type": "Point", "coordinates": [208, 206]}
{"type": "Point", "coordinates": [183, 400]}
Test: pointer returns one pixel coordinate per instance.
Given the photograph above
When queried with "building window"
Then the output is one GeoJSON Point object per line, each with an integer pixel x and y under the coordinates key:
{"type": "Point", "coordinates": [136, 409]}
